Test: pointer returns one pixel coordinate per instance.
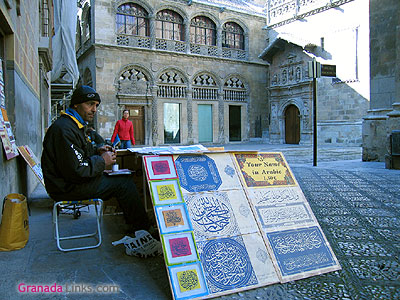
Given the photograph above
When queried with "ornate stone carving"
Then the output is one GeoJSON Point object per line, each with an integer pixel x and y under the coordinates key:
{"type": "Point", "coordinates": [133, 82]}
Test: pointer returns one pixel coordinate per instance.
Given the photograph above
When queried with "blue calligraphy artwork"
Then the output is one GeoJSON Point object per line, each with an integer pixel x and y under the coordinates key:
{"type": "Point", "coordinates": [198, 173]}
{"type": "Point", "coordinates": [300, 250]}
{"type": "Point", "coordinates": [211, 215]}
{"type": "Point", "coordinates": [226, 264]}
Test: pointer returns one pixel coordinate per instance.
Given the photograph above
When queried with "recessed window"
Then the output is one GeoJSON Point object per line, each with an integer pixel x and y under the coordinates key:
{"type": "Point", "coordinates": [132, 19]}
{"type": "Point", "coordinates": [169, 26]}
{"type": "Point", "coordinates": [232, 36]}
{"type": "Point", "coordinates": [172, 123]}
{"type": "Point", "coordinates": [203, 31]}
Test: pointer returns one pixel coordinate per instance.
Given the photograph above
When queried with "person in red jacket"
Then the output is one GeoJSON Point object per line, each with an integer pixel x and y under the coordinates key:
{"type": "Point", "coordinates": [124, 129]}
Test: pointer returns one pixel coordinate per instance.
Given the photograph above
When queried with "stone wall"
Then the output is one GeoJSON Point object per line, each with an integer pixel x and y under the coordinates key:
{"type": "Point", "coordinates": [24, 75]}
{"type": "Point", "coordinates": [383, 116]}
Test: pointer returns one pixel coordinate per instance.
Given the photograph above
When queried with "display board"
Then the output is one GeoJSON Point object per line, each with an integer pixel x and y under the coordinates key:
{"type": "Point", "coordinates": [32, 161]}
{"type": "Point", "coordinates": [233, 221]}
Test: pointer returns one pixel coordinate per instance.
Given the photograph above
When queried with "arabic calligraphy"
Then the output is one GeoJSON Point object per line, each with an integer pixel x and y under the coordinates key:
{"type": "Point", "coordinates": [160, 167]}
{"type": "Point", "coordinates": [173, 217]}
{"type": "Point", "coordinates": [211, 214]}
{"type": "Point", "coordinates": [300, 250]}
{"type": "Point", "coordinates": [180, 247]}
{"type": "Point", "coordinates": [198, 173]}
{"type": "Point", "coordinates": [276, 195]}
{"type": "Point", "coordinates": [188, 280]}
{"type": "Point", "coordinates": [297, 241]}
{"type": "Point", "coordinates": [227, 264]}
{"type": "Point", "coordinates": [272, 216]}
{"type": "Point", "coordinates": [166, 192]}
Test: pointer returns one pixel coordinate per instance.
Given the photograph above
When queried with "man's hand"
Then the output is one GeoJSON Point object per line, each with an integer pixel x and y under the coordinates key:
{"type": "Point", "coordinates": [109, 157]}
{"type": "Point", "coordinates": [104, 149]}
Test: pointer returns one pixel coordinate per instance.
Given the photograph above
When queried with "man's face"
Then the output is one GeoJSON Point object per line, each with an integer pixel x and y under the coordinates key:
{"type": "Point", "coordinates": [87, 109]}
{"type": "Point", "coordinates": [126, 114]}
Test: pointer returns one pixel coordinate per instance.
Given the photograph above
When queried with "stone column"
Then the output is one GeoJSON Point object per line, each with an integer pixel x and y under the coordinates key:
{"type": "Point", "coordinates": [219, 41]}
{"type": "Point", "coordinates": [221, 117]}
{"type": "Point", "coordinates": [152, 21]}
{"type": "Point", "coordinates": [190, 116]}
{"type": "Point", "coordinates": [392, 123]}
{"type": "Point", "coordinates": [187, 36]}
{"type": "Point", "coordinates": [154, 110]}
{"type": "Point", "coordinates": [374, 125]}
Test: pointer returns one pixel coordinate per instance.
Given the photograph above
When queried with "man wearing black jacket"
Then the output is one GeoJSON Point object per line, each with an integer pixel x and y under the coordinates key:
{"type": "Point", "coordinates": [73, 168]}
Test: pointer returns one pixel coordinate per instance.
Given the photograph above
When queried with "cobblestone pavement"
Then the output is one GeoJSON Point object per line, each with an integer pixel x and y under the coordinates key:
{"type": "Point", "coordinates": [359, 214]}
{"type": "Point", "coordinates": [357, 205]}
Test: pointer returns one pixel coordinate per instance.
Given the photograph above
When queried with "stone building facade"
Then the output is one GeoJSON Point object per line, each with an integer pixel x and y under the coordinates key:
{"type": "Point", "coordinates": [384, 112]}
{"type": "Point", "coordinates": [188, 71]}
{"type": "Point", "coordinates": [331, 35]}
{"type": "Point", "coordinates": [25, 51]}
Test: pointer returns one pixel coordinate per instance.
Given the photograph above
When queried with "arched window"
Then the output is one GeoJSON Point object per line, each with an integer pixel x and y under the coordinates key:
{"type": "Point", "coordinates": [202, 31]}
{"type": "Point", "coordinates": [232, 36]}
{"type": "Point", "coordinates": [86, 23]}
{"type": "Point", "coordinates": [205, 87]}
{"type": "Point", "coordinates": [132, 19]}
{"type": "Point", "coordinates": [234, 89]}
{"type": "Point", "coordinates": [169, 26]}
{"type": "Point", "coordinates": [171, 85]}
{"type": "Point", "coordinates": [87, 78]}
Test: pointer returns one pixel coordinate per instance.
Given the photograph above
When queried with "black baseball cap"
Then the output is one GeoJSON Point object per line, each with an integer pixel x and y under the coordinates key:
{"type": "Point", "coordinates": [84, 93]}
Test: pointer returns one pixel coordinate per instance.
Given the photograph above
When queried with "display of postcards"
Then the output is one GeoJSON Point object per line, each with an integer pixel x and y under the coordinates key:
{"type": "Point", "coordinates": [165, 192]}
{"type": "Point", "coordinates": [179, 248]}
{"type": "Point", "coordinates": [264, 170]}
{"type": "Point", "coordinates": [220, 214]}
{"type": "Point", "coordinates": [187, 281]}
{"type": "Point", "coordinates": [302, 252]}
{"type": "Point", "coordinates": [248, 254]}
{"type": "Point", "coordinates": [202, 173]}
{"type": "Point", "coordinates": [172, 218]}
{"type": "Point", "coordinates": [159, 167]}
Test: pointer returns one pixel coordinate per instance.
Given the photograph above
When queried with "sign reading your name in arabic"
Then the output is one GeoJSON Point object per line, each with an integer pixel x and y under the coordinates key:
{"type": "Point", "coordinates": [264, 169]}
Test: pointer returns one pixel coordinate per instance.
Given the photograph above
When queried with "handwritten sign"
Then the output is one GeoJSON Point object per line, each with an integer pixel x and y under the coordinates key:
{"type": "Point", "coordinates": [264, 169]}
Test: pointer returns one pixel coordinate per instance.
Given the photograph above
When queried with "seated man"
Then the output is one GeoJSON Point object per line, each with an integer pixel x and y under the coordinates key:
{"type": "Point", "coordinates": [73, 169]}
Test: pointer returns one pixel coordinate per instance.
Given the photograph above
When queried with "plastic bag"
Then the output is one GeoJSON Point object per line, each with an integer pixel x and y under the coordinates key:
{"type": "Point", "coordinates": [14, 227]}
{"type": "Point", "coordinates": [142, 245]}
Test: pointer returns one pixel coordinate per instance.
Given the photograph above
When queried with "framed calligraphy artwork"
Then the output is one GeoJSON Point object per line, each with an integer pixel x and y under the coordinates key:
{"type": "Point", "coordinates": [198, 173]}
{"type": "Point", "coordinates": [301, 252]}
{"type": "Point", "coordinates": [220, 214]}
{"type": "Point", "coordinates": [172, 218]}
{"type": "Point", "coordinates": [187, 281]}
{"type": "Point", "coordinates": [159, 167]}
{"type": "Point", "coordinates": [165, 192]}
{"type": "Point", "coordinates": [226, 264]}
{"type": "Point", "coordinates": [179, 248]}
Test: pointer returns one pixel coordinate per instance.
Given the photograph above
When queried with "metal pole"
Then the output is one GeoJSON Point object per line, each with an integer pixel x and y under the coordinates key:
{"type": "Point", "coordinates": [315, 120]}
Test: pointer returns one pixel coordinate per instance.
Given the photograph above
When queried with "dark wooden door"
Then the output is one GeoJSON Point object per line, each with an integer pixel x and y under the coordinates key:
{"type": "Point", "coordinates": [235, 121]}
{"type": "Point", "coordinates": [136, 115]}
{"type": "Point", "coordinates": [292, 125]}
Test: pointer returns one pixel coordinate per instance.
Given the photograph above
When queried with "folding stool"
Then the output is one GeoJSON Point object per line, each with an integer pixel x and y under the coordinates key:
{"type": "Point", "coordinates": [97, 234]}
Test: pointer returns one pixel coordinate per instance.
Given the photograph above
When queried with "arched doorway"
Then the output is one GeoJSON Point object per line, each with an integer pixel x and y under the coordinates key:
{"type": "Point", "coordinates": [292, 125]}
